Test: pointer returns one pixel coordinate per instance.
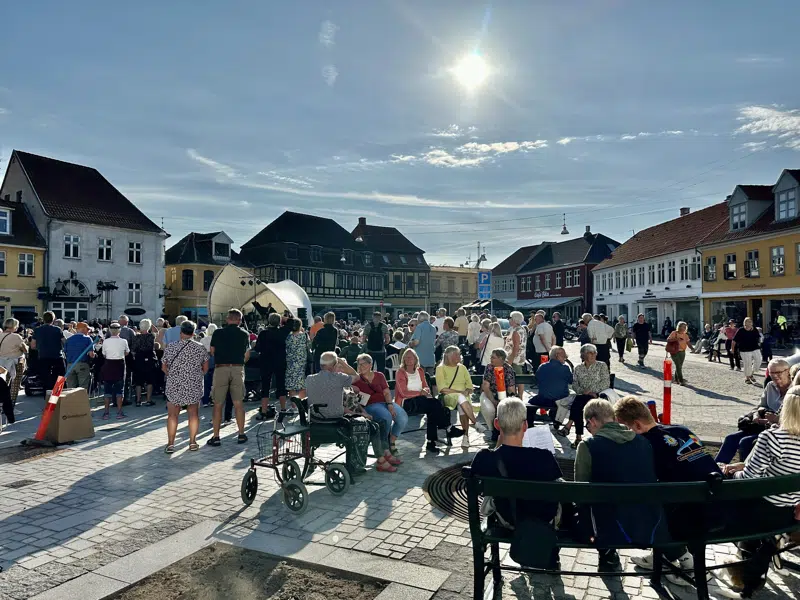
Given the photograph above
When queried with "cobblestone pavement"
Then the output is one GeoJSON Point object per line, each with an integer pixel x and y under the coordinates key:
{"type": "Point", "coordinates": [72, 512]}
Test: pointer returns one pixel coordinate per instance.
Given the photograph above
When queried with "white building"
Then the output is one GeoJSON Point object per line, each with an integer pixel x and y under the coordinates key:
{"type": "Point", "coordinates": [658, 271]}
{"type": "Point", "coordinates": [96, 239]}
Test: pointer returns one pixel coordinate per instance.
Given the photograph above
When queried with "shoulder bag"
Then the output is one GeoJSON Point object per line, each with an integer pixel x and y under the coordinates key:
{"type": "Point", "coordinates": [673, 346]}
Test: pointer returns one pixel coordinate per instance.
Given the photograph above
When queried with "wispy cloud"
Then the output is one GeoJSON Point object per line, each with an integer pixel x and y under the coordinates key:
{"type": "Point", "coordinates": [759, 59]}
{"type": "Point", "coordinates": [566, 140]}
{"type": "Point", "coordinates": [329, 74]}
{"type": "Point", "coordinates": [772, 122]}
{"type": "Point", "coordinates": [3, 111]}
{"type": "Point", "coordinates": [646, 134]}
{"type": "Point", "coordinates": [501, 147]}
{"type": "Point", "coordinates": [219, 168]}
{"type": "Point", "coordinates": [753, 146]}
{"type": "Point", "coordinates": [470, 154]}
{"type": "Point", "coordinates": [453, 131]}
{"type": "Point", "coordinates": [274, 176]}
{"type": "Point", "coordinates": [327, 33]}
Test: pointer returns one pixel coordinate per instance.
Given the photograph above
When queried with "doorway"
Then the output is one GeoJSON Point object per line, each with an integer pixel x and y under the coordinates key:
{"type": "Point", "coordinates": [757, 312]}
{"type": "Point", "coordinates": [651, 316]}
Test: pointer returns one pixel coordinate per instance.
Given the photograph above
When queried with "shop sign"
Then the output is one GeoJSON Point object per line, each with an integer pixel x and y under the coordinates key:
{"type": "Point", "coordinates": [753, 286]}
{"type": "Point", "coordinates": [545, 295]}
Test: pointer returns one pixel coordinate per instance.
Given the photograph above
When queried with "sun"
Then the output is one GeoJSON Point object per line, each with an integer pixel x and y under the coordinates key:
{"type": "Point", "coordinates": [471, 71]}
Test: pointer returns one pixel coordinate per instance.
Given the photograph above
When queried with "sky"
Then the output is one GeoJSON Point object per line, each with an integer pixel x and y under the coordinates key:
{"type": "Point", "coordinates": [220, 115]}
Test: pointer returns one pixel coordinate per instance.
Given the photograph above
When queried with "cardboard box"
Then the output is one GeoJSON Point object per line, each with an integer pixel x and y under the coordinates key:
{"type": "Point", "coordinates": [72, 419]}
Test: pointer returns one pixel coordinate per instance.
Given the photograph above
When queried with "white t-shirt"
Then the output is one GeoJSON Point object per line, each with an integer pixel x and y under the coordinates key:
{"type": "Point", "coordinates": [439, 324]}
{"type": "Point", "coordinates": [599, 332]}
{"type": "Point", "coordinates": [544, 329]}
{"type": "Point", "coordinates": [115, 348]}
{"type": "Point", "coordinates": [414, 382]}
{"type": "Point", "coordinates": [68, 334]}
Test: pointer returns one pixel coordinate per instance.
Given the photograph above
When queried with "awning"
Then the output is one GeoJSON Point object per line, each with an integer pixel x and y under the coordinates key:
{"type": "Point", "coordinates": [552, 302]}
{"type": "Point", "coordinates": [488, 304]}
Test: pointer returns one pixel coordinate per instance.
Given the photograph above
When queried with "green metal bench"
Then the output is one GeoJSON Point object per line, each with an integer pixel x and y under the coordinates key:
{"type": "Point", "coordinates": [708, 494]}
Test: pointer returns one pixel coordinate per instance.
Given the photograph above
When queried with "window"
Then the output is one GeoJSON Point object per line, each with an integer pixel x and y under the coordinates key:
{"type": "Point", "coordinates": [576, 276]}
{"type": "Point", "coordinates": [547, 281]}
{"type": "Point", "coordinates": [751, 264]}
{"type": "Point", "coordinates": [787, 205]}
{"type": "Point", "coordinates": [291, 251]}
{"type": "Point", "coordinates": [403, 260]}
{"type": "Point", "coordinates": [464, 287]}
{"type": "Point", "coordinates": [316, 254]}
{"type": "Point", "coordinates": [730, 266]}
{"type": "Point", "coordinates": [436, 285]}
{"type": "Point", "coordinates": [348, 257]}
{"type": "Point", "coordinates": [451, 286]}
{"type": "Point", "coordinates": [504, 285]}
{"type": "Point", "coordinates": [208, 277]}
{"type": "Point", "coordinates": [305, 278]}
{"type": "Point", "coordinates": [641, 276]}
{"type": "Point", "coordinates": [610, 281]}
{"type": "Point", "coordinates": [558, 280]}
{"type": "Point", "coordinates": [350, 282]}
{"type": "Point", "coordinates": [603, 282]}
{"type": "Point", "coordinates": [340, 280]}
{"type": "Point", "coordinates": [568, 278]}
{"type": "Point", "coordinates": [317, 278]}
{"type": "Point", "coordinates": [684, 269]}
{"type": "Point", "coordinates": [617, 281]}
{"type": "Point", "coordinates": [386, 260]}
{"type": "Point", "coordinates": [104, 297]}
{"type": "Point", "coordinates": [423, 283]}
{"type": "Point", "coordinates": [409, 283]}
{"type": "Point", "coordinates": [660, 272]}
{"type": "Point", "coordinates": [397, 281]}
{"type": "Point", "coordinates": [135, 253]}
{"type": "Point", "coordinates": [2, 263]}
{"type": "Point", "coordinates": [71, 311]}
{"type": "Point", "coordinates": [72, 246]}
{"type": "Point", "coordinates": [419, 260]}
{"type": "Point", "coordinates": [738, 216]}
{"type": "Point", "coordinates": [26, 264]}
{"type": "Point", "coordinates": [222, 249]}
{"type": "Point", "coordinates": [368, 259]}
{"type": "Point", "coordinates": [671, 271]}
{"type": "Point", "coordinates": [512, 286]}
{"type": "Point", "coordinates": [777, 256]}
{"type": "Point", "coordinates": [695, 271]}
{"type": "Point", "coordinates": [187, 280]}
{"type": "Point", "coordinates": [104, 246]}
{"type": "Point", "coordinates": [651, 274]}
{"type": "Point", "coordinates": [134, 293]}
{"type": "Point", "coordinates": [5, 222]}
{"type": "Point", "coordinates": [625, 278]}
{"type": "Point", "coordinates": [537, 287]}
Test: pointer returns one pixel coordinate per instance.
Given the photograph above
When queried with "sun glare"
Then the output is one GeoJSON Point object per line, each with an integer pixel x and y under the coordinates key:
{"type": "Point", "coordinates": [471, 71]}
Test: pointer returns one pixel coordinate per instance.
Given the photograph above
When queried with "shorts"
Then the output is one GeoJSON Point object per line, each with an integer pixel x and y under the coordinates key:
{"type": "Point", "coordinates": [113, 388]}
{"type": "Point", "coordinates": [518, 370]}
{"type": "Point", "coordinates": [228, 378]}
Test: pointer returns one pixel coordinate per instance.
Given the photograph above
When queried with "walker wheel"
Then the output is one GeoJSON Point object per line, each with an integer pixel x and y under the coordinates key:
{"type": "Point", "coordinates": [249, 487]}
{"type": "Point", "coordinates": [295, 496]}
{"type": "Point", "coordinates": [337, 479]}
{"type": "Point", "coordinates": [291, 470]}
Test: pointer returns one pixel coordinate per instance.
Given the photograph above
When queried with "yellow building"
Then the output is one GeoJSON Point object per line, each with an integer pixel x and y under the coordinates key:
{"type": "Point", "coordinates": [22, 251]}
{"type": "Point", "coordinates": [191, 265]}
{"type": "Point", "coordinates": [752, 262]}
{"type": "Point", "coordinates": [452, 287]}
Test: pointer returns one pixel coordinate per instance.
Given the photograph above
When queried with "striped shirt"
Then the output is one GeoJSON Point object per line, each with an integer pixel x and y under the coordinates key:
{"type": "Point", "coordinates": [777, 452]}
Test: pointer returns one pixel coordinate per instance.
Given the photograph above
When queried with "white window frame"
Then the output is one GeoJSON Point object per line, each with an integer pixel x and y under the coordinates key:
{"type": "Point", "coordinates": [624, 278]}
{"type": "Point", "coordinates": [576, 277]}
{"type": "Point", "coordinates": [105, 247]}
{"type": "Point", "coordinates": [5, 216]}
{"type": "Point", "coordinates": [711, 268]}
{"type": "Point", "coordinates": [547, 281]}
{"type": "Point", "coordinates": [74, 242]}
{"type": "Point", "coordinates": [368, 259]}
{"type": "Point", "coordinates": [694, 270]}
{"type": "Point", "coordinates": [661, 272]}
{"type": "Point", "coordinates": [671, 271]}
{"type": "Point", "coordinates": [603, 282]}
{"type": "Point", "coordinates": [786, 204]}
{"type": "Point", "coordinates": [134, 289]}
{"type": "Point", "coordinates": [536, 281]}
{"type": "Point", "coordinates": [738, 216]}
{"type": "Point", "coordinates": [558, 280]}
{"type": "Point", "coordinates": [136, 249]}
{"type": "Point", "coordinates": [777, 256]}
{"type": "Point", "coordinates": [641, 276]}
{"type": "Point", "coordinates": [316, 254]}
{"type": "Point", "coordinates": [684, 262]}
{"type": "Point", "coordinates": [568, 278]}
{"type": "Point", "coordinates": [25, 260]}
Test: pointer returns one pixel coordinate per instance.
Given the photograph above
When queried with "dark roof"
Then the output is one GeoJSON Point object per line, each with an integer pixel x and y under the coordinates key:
{"type": "Point", "coordinates": [764, 224]}
{"type": "Point", "coordinates": [761, 193]}
{"type": "Point", "coordinates": [70, 192]}
{"type": "Point", "coordinates": [676, 235]}
{"type": "Point", "coordinates": [304, 229]}
{"type": "Point", "coordinates": [23, 229]}
{"type": "Point", "coordinates": [196, 248]}
{"type": "Point", "coordinates": [590, 248]}
{"type": "Point", "coordinates": [390, 243]}
{"type": "Point", "coordinates": [794, 173]}
{"type": "Point", "coordinates": [510, 265]}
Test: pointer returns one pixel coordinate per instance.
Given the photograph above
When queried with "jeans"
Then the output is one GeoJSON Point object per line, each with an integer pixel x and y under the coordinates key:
{"type": "Point", "coordinates": [733, 442]}
{"type": "Point", "coordinates": [380, 412]}
{"type": "Point", "coordinates": [752, 361]}
{"type": "Point", "coordinates": [678, 359]}
{"type": "Point", "coordinates": [733, 356]}
{"type": "Point", "coordinates": [621, 346]}
{"type": "Point", "coordinates": [576, 412]}
{"type": "Point", "coordinates": [642, 346]}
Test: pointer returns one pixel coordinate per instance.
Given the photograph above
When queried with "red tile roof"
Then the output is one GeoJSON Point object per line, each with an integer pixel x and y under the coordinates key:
{"type": "Point", "coordinates": [764, 224]}
{"type": "Point", "coordinates": [676, 235]}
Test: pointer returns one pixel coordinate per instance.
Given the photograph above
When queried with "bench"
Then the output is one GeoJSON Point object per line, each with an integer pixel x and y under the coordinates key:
{"type": "Point", "coordinates": [704, 493]}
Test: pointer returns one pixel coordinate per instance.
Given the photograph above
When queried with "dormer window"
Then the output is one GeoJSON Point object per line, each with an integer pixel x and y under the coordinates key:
{"type": "Point", "coordinates": [403, 260]}
{"type": "Point", "coordinates": [386, 260]}
{"type": "Point", "coordinates": [316, 254]}
{"type": "Point", "coordinates": [291, 251]}
{"type": "Point", "coordinates": [368, 259]}
{"type": "Point", "coordinates": [738, 216]}
{"type": "Point", "coordinates": [787, 205]}
{"type": "Point", "coordinates": [419, 260]}
{"type": "Point", "coordinates": [5, 222]}
{"type": "Point", "coordinates": [222, 249]}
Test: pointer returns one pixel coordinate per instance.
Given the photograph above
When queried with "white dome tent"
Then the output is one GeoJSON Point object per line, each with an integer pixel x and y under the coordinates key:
{"type": "Point", "coordinates": [233, 287]}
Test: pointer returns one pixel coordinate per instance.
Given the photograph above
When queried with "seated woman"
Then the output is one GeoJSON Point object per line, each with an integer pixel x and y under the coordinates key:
{"type": "Point", "coordinates": [412, 386]}
{"type": "Point", "coordinates": [453, 380]}
{"type": "Point", "coordinates": [491, 340]}
{"type": "Point", "coordinates": [489, 395]}
{"type": "Point", "coordinates": [380, 405]}
{"type": "Point", "coordinates": [554, 378]}
{"type": "Point", "coordinates": [589, 379]}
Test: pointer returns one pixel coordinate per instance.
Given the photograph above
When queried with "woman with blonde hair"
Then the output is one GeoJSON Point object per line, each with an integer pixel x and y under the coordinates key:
{"type": "Point", "coordinates": [413, 393]}
{"type": "Point", "coordinates": [681, 336]}
{"type": "Point", "coordinates": [492, 341]}
{"type": "Point", "coordinates": [747, 341]}
{"type": "Point", "coordinates": [455, 386]}
{"type": "Point", "coordinates": [12, 358]}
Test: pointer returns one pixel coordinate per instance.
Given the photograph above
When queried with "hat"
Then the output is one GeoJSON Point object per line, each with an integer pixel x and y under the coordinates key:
{"type": "Point", "coordinates": [115, 325]}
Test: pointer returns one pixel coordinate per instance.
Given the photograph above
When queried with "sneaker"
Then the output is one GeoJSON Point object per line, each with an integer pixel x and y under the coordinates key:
{"type": "Point", "coordinates": [480, 427]}
{"type": "Point", "coordinates": [431, 447]}
{"type": "Point", "coordinates": [453, 432]}
{"type": "Point", "coordinates": [465, 442]}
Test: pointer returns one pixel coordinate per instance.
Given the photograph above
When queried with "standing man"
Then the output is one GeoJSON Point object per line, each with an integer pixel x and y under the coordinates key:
{"type": "Point", "coordinates": [173, 334]}
{"type": "Point", "coordinates": [600, 333]}
{"type": "Point", "coordinates": [315, 327]}
{"type": "Point", "coordinates": [733, 353]}
{"type": "Point", "coordinates": [441, 314]}
{"type": "Point", "coordinates": [48, 341]}
{"type": "Point", "coordinates": [271, 348]}
{"type": "Point", "coordinates": [515, 347]}
{"type": "Point", "coordinates": [127, 334]}
{"type": "Point", "coordinates": [643, 335]}
{"type": "Point", "coordinates": [230, 347]}
{"type": "Point", "coordinates": [781, 321]}
{"type": "Point", "coordinates": [81, 374]}
{"type": "Point", "coordinates": [423, 341]}
{"type": "Point", "coordinates": [376, 336]}
{"type": "Point", "coordinates": [325, 340]}
{"type": "Point", "coordinates": [462, 325]}
{"type": "Point", "coordinates": [543, 338]}
{"type": "Point", "coordinates": [558, 329]}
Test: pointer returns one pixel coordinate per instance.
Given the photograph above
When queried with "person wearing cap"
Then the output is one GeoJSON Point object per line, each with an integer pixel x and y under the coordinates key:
{"type": "Point", "coordinates": [112, 373]}
{"type": "Point", "coordinates": [80, 373]}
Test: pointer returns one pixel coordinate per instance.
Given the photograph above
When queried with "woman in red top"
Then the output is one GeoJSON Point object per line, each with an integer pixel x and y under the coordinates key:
{"type": "Point", "coordinates": [412, 385]}
{"type": "Point", "coordinates": [380, 406]}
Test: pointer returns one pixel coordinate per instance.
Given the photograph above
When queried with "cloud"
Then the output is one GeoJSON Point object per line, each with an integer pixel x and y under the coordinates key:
{"type": "Point", "coordinates": [470, 154]}
{"type": "Point", "coordinates": [500, 147]}
{"type": "Point", "coordinates": [759, 59]}
{"type": "Point", "coordinates": [453, 131]}
{"type": "Point", "coordinates": [3, 111]}
{"type": "Point", "coordinates": [327, 33]}
{"type": "Point", "coordinates": [287, 180]}
{"type": "Point", "coordinates": [646, 134]}
{"type": "Point", "coordinates": [219, 168]}
{"type": "Point", "coordinates": [329, 74]}
{"type": "Point", "coordinates": [442, 158]}
{"type": "Point", "coordinates": [772, 122]}
{"type": "Point", "coordinates": [566, 140]}
{"type": "Point", "coordinates": [753, 146]}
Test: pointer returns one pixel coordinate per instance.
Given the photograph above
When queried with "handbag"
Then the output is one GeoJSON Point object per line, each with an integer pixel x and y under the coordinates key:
{"type": "Point", "coordinates": [749, 426]}
{"type": "Point", "coordinates": [673, 346]}
{"type": "Point", "coordinates": [629, 344]}
{"type": "Point", "coordinates": [441, 396]}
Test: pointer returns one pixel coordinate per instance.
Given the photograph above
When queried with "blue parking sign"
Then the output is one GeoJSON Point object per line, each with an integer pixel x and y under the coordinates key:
{"type": "Point", "coordinates": [484, 285]}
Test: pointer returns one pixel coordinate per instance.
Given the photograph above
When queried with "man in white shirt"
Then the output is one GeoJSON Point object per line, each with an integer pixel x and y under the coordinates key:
{"type": "Point", "coordinates": [441, 315]}
{"type": "Point", "coordinates": [600, 333]}
{"type": "Point", "coordinates": [114, 350]}
{"type": "Point", "coordinates": [544, 336]}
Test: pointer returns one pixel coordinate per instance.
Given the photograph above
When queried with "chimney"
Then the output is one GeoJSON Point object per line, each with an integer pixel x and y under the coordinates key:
{"type": "Point", "coordinates": [588, 229]}
{"type": "Point", "coordinates": [685, 211]}
{"type": "Point", "coordinates": [362, 221]}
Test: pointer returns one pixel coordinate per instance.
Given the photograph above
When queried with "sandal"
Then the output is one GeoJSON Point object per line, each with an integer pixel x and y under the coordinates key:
{"type": "Point", "coordinates": [194, 447]}
{"type": "Point", "coordinates": [393, 460]}
{"type": "Point", "coordinates": [241, 439]}
{"type": "Point", "coordinates": [385, 467]}
{"type": "Point", "coordinates": [214, 441]}
{"type": "Point", "coordinates": [169, 449]}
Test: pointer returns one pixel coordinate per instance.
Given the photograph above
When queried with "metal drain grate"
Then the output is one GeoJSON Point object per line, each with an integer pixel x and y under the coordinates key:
{"type": "Point", "coordinates": [19, 484]}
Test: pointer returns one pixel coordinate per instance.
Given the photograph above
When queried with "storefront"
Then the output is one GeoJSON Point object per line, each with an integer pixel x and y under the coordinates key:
{"type": "Point", "coordinates": [763, 309]}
